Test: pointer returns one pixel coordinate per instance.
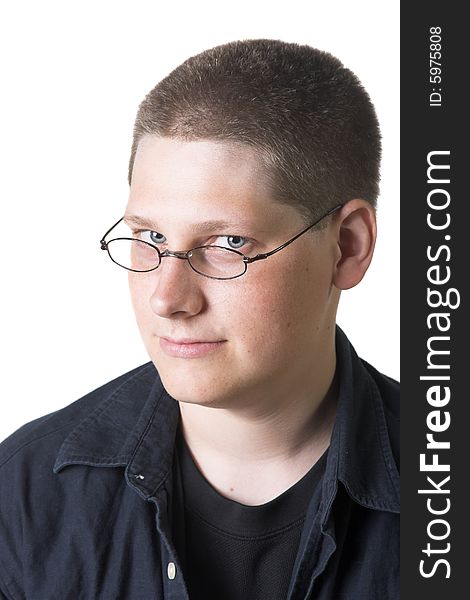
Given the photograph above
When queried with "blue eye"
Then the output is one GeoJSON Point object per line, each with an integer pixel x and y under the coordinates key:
{"type": "Point", "coordinates": [154, 237]}
{"type": "Point", "coordinates": [157, 238]}
{"type": "Point", "coordinates": [235, 242]}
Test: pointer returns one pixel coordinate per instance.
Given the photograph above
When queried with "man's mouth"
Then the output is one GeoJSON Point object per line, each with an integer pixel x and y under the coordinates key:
{"type": "Point", "coordinates": [189, 347]}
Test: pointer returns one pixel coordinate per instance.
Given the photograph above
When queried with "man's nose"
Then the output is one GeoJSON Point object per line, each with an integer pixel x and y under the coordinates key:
{"type": "Point", "coordinates": [177, 290]}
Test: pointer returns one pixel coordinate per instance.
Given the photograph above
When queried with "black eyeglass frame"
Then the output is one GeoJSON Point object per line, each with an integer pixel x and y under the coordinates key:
{"type": "Point", "coordinates": [185, 255]}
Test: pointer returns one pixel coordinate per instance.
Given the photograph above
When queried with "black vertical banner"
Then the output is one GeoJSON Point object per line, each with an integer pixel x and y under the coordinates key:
{"type": "Point", "coordinates": [435, 255]}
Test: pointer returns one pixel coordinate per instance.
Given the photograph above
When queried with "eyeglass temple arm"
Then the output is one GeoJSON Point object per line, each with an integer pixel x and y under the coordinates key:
{"type": "Point", "coordinates": [102, 240]}
{"type": "Point", "coordinates": [248, 259]}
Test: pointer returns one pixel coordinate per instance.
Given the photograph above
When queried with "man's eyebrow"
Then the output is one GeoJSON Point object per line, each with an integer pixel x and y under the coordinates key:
{"type": "Point", "coordinates": [139, 222]}
{"type": "Point", "coordinates": [201, 227]}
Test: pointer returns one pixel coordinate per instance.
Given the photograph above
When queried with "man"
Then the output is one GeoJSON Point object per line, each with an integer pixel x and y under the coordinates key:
{"type": "Point", "coordinates": [256, 456]}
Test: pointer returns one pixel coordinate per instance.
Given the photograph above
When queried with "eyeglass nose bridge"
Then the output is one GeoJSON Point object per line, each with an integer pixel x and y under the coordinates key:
{"type": "Point", "coordinates": [175, 254]}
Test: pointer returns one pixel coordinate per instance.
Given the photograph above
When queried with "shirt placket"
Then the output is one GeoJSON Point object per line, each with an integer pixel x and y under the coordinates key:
{"type": "Point", "coordinates": [174, 586]}
{"type": "Point", "coordinates": [149, 474]}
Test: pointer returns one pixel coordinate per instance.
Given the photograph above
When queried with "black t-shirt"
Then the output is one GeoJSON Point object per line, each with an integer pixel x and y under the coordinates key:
{"type": "Point", "coordinates": [230, 551]}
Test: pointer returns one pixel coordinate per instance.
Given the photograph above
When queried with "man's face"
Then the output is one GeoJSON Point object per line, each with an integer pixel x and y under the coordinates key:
{"type": "Point", "coordinates": [227, 343]}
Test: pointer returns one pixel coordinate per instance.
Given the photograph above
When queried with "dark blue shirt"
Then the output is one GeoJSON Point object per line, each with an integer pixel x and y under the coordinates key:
{"type": "Point", "coordinates": [86, 497]}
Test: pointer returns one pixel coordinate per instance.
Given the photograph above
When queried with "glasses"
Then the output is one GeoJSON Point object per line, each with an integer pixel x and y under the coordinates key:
{"type": "Point", "coordinates": [215, 262]}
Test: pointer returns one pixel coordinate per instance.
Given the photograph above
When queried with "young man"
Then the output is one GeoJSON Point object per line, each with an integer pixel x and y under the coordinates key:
{"type": "Point", "coordinates": [256, 456]}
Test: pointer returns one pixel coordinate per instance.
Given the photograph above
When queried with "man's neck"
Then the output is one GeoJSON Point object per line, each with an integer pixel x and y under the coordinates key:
{"type": "Point", "coordinates": [253, 456]}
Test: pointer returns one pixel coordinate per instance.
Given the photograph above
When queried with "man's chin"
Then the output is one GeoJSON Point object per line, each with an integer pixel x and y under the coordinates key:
{"type": "Point", "coordinates": [189, 385]}
{"type": "Point", "coordinates": [209, 396]}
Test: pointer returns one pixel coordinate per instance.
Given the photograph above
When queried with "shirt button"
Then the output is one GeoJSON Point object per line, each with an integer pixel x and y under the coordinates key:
{"type": "Point", "coordinates": [171, 570]}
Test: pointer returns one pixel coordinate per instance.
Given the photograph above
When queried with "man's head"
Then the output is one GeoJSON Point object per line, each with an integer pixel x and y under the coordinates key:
{"type": "Point", "coordinates": [308, 117]}
{"type": "Point", "coordinates": [239, 147]}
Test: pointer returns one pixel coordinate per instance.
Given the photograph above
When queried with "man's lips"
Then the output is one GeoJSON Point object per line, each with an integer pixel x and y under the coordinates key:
{"type": "Point", "coordinates": [189, 347]}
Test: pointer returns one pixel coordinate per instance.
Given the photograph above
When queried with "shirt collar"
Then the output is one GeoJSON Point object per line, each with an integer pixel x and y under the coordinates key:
{"type": "Point", "coordinates": [135, 425]}
{"type": "Point", "coordinates": [360, 454]}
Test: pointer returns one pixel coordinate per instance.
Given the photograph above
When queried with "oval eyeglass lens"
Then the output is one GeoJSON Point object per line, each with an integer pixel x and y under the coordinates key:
{"type": "Point", "coordinates": [133, 254]}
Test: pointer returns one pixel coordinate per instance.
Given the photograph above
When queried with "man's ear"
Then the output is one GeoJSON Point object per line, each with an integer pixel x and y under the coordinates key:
{"type": "Point", "coordinates": [356, 232]}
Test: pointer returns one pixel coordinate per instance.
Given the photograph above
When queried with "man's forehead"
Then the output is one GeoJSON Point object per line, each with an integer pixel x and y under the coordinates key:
{"type": "Point", "coordinates": [204, 185]}
{"type": "Point", "coordinates": [156, 153]}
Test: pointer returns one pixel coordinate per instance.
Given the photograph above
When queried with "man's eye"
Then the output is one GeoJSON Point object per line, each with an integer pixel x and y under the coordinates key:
{"type": "Point", "coordinates": [234, 242]}
{"type": "Point", "coordinates": [153, 237]}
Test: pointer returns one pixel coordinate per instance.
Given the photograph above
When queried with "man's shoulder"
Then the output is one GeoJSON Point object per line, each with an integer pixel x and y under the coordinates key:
{"type": "Point", "coordinates": [45, 434]}
{"type": "Point", "coordinates": [38, 507]}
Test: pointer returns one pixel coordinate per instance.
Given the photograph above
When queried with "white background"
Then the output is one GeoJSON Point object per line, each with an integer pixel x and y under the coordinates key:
{"type": "Point", "coordinates": [73, 74]}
